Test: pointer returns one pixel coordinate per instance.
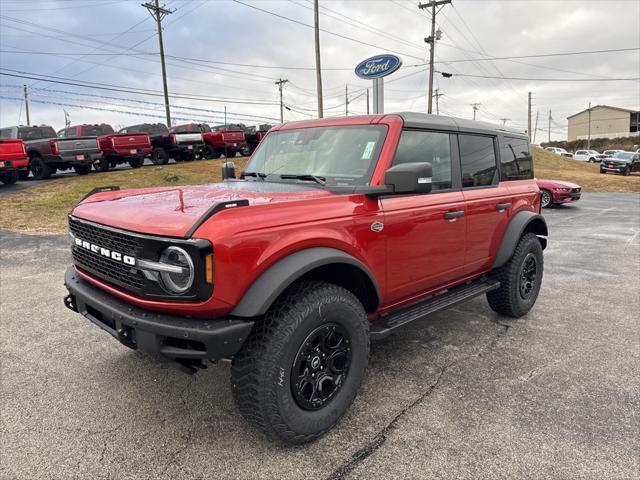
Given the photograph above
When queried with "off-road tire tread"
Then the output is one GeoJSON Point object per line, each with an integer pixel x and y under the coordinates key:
{"type": "Point", "coordinates": [277, 325]}
{"type": "Point", "coordinates": [501, 300]}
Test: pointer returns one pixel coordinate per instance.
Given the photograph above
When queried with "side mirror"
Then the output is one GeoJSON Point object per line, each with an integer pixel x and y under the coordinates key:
{"type": "Point", "coordinates": [409, 178]}
{"type": "Point", "coordinates": [228, 170]}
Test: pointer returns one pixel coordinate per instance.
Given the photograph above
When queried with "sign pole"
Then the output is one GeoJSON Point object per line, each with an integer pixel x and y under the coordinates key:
{"type": "Point", "coordinates": [378, 95]}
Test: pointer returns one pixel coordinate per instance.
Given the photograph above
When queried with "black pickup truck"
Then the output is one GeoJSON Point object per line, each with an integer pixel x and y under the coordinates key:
{"type": "Point", "coordinates": [166, 145]}
{"type": "Point", "coordinates": [48, 154]}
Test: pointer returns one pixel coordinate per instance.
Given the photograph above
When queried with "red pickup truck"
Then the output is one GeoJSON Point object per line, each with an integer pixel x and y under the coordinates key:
{"type": "Point", "coordinates": [220, 141]}
{"type": "Point", "coordinates": [340, 231]}
{"type": "Point", "coordinates": [117, 148]}
{"type": "Point", "coordinates": [13, 160]}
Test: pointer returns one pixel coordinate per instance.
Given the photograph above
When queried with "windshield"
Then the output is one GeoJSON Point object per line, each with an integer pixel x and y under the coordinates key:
{"type": "Point", "coordinates": [624, 155]}
{"type": "Point", "coordinates": [34, 133]}
{"type": "Point", "coordinates": [344, 155]}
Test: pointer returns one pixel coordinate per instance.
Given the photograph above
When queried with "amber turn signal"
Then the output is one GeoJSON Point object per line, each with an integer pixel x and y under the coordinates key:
{"type": "Point", "coordinates": [208, 270]}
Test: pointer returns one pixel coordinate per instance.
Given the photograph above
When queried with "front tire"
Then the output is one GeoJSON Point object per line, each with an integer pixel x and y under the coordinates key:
{"type": "Point", "coordinates": [102, 165]}
{"type": "Point", "coordinates": [159, 156]}
{"type": "Point", "coordinates": [83, 169]}
{"type": "Point", "coordinates": [546, 198]}
{"type": "Point", "coordinates": [40, 169]}
{"type": "Point", "coordinates": [520, 279]}
{"type": "Point", "coordinates": [303, 363]}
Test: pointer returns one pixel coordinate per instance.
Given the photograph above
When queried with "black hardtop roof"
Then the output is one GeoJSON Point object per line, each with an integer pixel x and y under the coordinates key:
{"type": "Point", "coordinates": [441, 122]}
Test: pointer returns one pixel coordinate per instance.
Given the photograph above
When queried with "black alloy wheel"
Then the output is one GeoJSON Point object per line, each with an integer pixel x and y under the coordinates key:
{"type": "Point", "coordinates": [528, 275]}
{"type": "Point", "coordinates": [321, 366]}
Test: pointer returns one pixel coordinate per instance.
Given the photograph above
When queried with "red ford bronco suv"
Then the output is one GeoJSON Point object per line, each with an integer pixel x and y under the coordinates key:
{"type": "Point", "coordinates": [338, 232]}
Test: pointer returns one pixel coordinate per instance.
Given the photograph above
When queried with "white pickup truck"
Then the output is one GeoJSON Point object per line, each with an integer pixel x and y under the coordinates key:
{"type": "Point", "coordinates": [590, 156]}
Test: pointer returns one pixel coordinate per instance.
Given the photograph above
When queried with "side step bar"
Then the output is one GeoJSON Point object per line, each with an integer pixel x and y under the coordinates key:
{"type": "Point", "coordinates": [385, 325]}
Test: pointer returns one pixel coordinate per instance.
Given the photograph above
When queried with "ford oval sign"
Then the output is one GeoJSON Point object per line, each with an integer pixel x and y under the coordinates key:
{"type": "Point", "coordinates": [378, 66]}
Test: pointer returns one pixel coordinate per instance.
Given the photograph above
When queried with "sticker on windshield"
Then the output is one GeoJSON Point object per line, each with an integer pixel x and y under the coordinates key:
{"type": "Point", "coordinates": [368, 150]}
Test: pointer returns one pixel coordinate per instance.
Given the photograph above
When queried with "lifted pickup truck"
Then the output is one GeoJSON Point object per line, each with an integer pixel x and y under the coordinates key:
{"type": "Point", "coordinates": [254, 136]}
{"type": "Point", "coordinates": [47, 153]}
{"type": "Point", "coordinates": [166, 145]}
{"type": "Point", "coordinates": [13, 160]}
{"type": "Point", "coordinates": [340, 231]}
{"type": "Point", "coordinates": [216, 142]}
{"type": "Point", "coordinates": [117, 148]}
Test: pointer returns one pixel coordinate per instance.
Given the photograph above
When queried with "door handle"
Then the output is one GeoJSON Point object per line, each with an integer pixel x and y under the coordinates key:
{"type": "Point", "coordinates": [501, 207]}
{"type": "Point", "coordinates": [454, 215]}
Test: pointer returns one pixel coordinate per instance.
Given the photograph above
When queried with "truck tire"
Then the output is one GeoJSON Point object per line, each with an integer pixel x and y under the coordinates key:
{"type": "Point", "coordinates": [246, 151]}
{"type": "Point", "coordinates": [211, 153]}
{"type": "Point", "coordinates": [83, 169]}
{"type": "Point", "coordinates": [626, 172]}
{"type": "Point", "coordinates": [520, 279]}
{"type": "Point", "coordinates": [136, 162]}
{"type": "Point", "coordinates": [23, 174]}
{"type": "Point", "coordinates": [102, 165]}
{"type": "Point", "coordinates": [303, 363]}
{"type": "Point", "coordinates": [9, 178]}
{"type": "Point", "coordinates": [39, 168]}
{"type": "Point", "coordinates": [231, 153]}
{"type": "Point", "coordinates": [159, 156]}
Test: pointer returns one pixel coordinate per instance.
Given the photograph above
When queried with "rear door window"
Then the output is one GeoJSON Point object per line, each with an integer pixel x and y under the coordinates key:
{"type": "Point", "coordinates": [478, 160]}
{"type": "Point", "coordinates": [516, 162]}
{"type": "Point", "coordinates": [433, 147]}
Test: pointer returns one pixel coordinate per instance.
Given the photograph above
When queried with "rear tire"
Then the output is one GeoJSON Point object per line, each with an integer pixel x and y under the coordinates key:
{"type": "Point", "coordinates": [83, 169]}
{"type": "Point", "coordinates": [231, 153]}
{"type": "Point", "coordinates": [211, 152]}
{"type": "Point", "coordinates": [303, 363]}
{"type": "Point", "coordinates": [9, 178]}
{"type": "Point", "coordinates": [159, 156]}
{"type": "Point", "coordinates": [520, 279]}
{"type": "Point", "coordinates": [546, 198]}
{"type": "Point", "coordinates": [39, 169]}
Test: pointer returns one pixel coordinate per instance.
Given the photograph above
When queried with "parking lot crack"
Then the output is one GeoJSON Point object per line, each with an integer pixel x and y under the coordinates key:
{"type": "Point", "coordinates": [381, 437]}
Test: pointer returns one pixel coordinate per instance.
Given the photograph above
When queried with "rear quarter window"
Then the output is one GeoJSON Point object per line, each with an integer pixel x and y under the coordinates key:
{"type": "Point", "coordinates": [478, 160]}
{"type": "Point", "coordinates": [516, 162]}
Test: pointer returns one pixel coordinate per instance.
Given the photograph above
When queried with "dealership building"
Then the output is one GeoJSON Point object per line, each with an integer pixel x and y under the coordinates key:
{"type": "Point", "coordinates": [603, 121]}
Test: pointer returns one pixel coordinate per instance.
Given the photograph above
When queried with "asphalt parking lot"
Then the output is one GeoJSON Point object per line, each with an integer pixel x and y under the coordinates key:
{"type": "Point", "coordinates": [464, 394]}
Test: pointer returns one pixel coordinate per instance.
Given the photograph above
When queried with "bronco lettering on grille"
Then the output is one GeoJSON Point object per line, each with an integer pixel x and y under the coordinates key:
{"type": "Point", "coordinates": [105, 252]}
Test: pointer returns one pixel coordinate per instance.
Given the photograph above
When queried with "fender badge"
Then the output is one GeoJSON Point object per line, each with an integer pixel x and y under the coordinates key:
{"type": "Point", "coordinates": [377, 226]}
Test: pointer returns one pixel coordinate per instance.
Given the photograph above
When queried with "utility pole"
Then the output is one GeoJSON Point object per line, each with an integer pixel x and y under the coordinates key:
{"type": "Point", "coordinates": [549, 134]}
{"type": "Point", "coordinates": [316, 25]}
{"type": "Point", "coordinates": [280, 83]}
{"type": "Point", "coordinates": [588, 132]}
{"type": "Point", "coordinates": [529, 118]}
{"type": "Point", "coordinates": [346, 100]}
{"type": "Point", "coordinates": [504, 121]}
{"type": "Point", "coordinates": [437, 96]}
{"type": "Point", "coordinates": [535, 130]}
{"type": "Point", "coordinates": [158, 13]}
{"type": "Point", "coordinates": [475, 109]}
{"type": "Point", "coordinates": [26, 105]}
{"type": "Point", "coordinates": [431, 40]}
{"type": "Point", "coordinates": [225, 117]}
{"type": "Point", "coordinates": [367, 101]}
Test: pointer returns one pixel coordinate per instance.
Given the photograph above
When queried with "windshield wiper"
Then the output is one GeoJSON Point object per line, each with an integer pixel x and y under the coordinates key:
{"type": "Point", "coordinates": [254, 174]}
{"type": "Point", "coordinates": [304, 176]}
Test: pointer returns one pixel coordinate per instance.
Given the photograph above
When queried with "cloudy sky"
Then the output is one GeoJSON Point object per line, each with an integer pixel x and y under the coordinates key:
{"type": "Point", "coordinates": [229, 53]}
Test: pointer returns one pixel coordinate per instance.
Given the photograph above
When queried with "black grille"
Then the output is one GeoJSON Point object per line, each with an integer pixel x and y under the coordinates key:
{"type": "Point", "coordinates": [575, 190]}
{"type": "Point", "coordinates": [104, 267]}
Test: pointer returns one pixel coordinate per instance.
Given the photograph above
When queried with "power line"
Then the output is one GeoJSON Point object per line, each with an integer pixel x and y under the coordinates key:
{"type": "Point", "coordinates": [549, 79]}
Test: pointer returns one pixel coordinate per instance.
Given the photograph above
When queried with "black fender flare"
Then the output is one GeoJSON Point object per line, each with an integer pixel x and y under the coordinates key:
{"type": "Point", "coordinates": [521, 222]}
{"type": "Point", "coordinates": [273, 281]}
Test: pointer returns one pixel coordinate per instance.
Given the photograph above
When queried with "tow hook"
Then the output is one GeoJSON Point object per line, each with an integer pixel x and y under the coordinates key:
{"type": "Point", "coordinates": [70, 303]}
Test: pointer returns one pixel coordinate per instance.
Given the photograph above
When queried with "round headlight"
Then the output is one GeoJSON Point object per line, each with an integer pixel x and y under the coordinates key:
{"type": "Point", "coordinates": [181, 280]}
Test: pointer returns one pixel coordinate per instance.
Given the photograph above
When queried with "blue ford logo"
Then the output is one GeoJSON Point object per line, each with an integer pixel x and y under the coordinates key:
{"type": "Point", "coordinates": [378, 66]}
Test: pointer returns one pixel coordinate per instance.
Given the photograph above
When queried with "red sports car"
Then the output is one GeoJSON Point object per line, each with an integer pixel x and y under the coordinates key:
{"type": "Point", "coordinates": [555, 192]}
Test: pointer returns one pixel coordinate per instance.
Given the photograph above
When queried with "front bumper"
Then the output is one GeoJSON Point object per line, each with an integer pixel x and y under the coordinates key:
{"type": "Point", "coordinates": [618, 168]}
{"type": "Point", "coordinates": [185, 340]}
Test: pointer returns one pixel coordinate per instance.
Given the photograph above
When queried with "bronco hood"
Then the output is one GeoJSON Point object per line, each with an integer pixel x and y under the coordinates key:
{"type": "Point", "coordinates": [172, 211]}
